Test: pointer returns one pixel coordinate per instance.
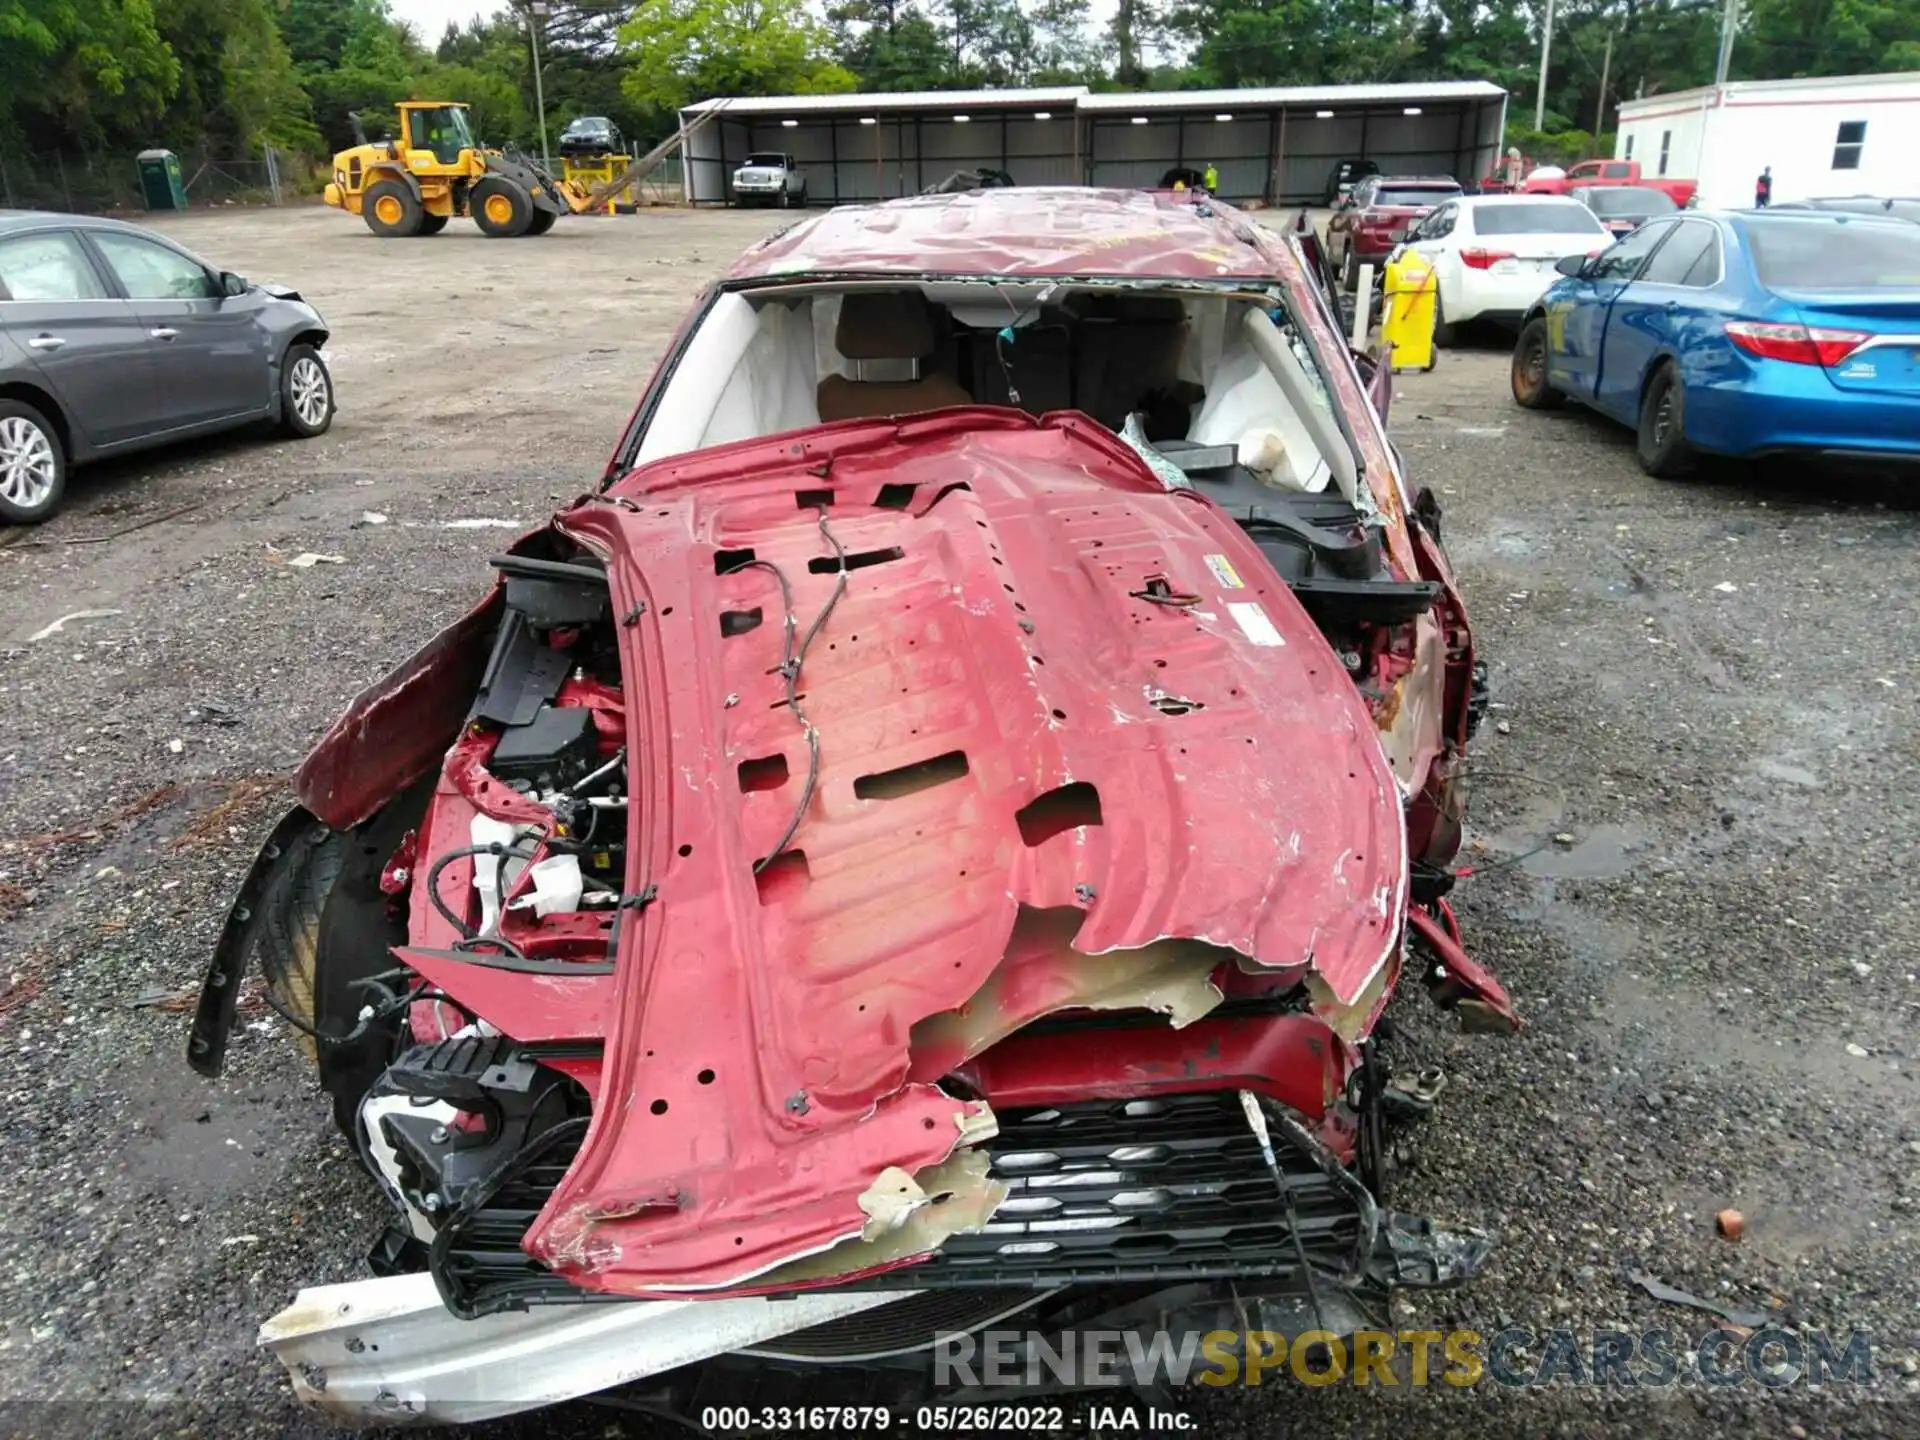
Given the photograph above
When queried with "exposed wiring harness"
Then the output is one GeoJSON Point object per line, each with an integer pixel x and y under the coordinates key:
{"type": "Point", "coordinates": [467, 932]}
{"type": "Point", "coordinates": [793, 658]}
{"type": "Point", "coordinates": [371, 1014]}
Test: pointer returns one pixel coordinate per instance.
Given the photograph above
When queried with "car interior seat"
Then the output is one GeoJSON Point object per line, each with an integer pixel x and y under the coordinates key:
{"type": "Point", "coordinates": [886, 335]}
{"type": "Point", "coordinates": [1130, 348]}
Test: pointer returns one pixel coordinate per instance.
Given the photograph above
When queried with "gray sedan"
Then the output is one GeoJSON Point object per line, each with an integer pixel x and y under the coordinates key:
{"type": "Point", "coordinates": [113, 338]}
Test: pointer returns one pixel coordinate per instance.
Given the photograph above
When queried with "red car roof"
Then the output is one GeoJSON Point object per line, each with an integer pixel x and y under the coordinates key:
{"type": "Point", "coordinates": [1028, 231]}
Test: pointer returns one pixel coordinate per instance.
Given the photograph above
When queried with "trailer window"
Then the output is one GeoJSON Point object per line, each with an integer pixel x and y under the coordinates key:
{"type": "Point", "coordinates": [1848, 142]}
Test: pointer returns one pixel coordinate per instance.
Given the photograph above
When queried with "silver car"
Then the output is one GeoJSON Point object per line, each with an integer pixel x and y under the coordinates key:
{"type": "Point", "coordinates": [113, 338]}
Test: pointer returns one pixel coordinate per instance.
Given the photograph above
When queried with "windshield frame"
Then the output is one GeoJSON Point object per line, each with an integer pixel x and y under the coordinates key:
{"type": "Point", "coordinates": [1275, 292]}
{"type": "Point", "coordinates": [766, 160]}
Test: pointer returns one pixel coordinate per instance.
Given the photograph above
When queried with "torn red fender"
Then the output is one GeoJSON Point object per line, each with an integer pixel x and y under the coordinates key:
{"type": "Point", "coordinates": [1465, 982]}
{"type": "Point", "coordinates": [400, 726]}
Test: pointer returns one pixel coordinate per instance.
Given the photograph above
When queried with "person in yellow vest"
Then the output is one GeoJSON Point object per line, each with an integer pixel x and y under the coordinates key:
{"type": "Point", "coordinates": [1210, 179]}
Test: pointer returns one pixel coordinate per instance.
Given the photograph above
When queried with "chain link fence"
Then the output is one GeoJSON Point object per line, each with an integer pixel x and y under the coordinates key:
{"type": "Point", "coordinates": [661, 183]}
{"type": "Point", "coordinates": [92, 184]}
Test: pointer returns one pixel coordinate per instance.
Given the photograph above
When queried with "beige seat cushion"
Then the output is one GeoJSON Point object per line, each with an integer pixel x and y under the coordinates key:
{"type": "Point", "coordinates": [844, 399]}
{"type": "Point", "coordinates": [892, 325]}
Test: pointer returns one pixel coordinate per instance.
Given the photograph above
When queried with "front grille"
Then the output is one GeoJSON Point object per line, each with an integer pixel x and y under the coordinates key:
{"type": "Point", "coordinates": [1124, 1190]}
{"type": "Point", "coordinates": [1109, 1191]}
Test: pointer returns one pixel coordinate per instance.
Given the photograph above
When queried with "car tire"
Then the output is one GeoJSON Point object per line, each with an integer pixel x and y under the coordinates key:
{"type": "Point", "coordinates": [1529, 372]}
{"type": "Point", "coordinates": [306, 393]}
{"type": "Point", "coordinates": [33, 464]}
{"type": "Point", "coordinates": [501, 208]}
{"type": "Point", "coordinates": [431, 224]}
{"type": "Point", "coordinates": [391, 210]}
{"type": "Point", "coordinates": [1661, 442]}
{"type": "Point", "coordinates": [1445, 336]}
{"type": "Point", "coordinates": [542, 222]}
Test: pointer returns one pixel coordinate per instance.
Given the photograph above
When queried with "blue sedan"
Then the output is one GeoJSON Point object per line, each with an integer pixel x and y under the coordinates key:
{"type": "Point", "coordinates": [1738, 334]}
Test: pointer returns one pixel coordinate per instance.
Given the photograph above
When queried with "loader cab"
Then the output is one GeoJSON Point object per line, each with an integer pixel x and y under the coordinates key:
{"type": "Point", "coordinates": [438, 129]}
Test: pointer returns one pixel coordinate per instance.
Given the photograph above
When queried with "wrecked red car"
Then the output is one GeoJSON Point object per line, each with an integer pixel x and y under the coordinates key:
{"type": "Point", "coordinates": [926, 841]}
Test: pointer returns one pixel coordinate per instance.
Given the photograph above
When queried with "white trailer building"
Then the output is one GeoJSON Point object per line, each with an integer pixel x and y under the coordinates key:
{"type": "Point", "coordinates": [1843, 135]}
{"type": "Point", "coordinates": [1275, 145]}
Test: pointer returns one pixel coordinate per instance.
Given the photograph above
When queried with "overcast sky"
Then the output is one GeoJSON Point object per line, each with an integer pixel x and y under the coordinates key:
{"type": "Point", "coordinates": [429, 17]}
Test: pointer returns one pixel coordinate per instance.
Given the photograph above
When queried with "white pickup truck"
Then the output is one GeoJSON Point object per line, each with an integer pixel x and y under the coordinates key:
{"type": "Point", "coordinates": [770, 178]}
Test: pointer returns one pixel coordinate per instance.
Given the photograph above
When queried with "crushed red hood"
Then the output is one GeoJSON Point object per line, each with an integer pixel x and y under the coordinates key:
{"type": "Point", "coordinates": [1078, 745]}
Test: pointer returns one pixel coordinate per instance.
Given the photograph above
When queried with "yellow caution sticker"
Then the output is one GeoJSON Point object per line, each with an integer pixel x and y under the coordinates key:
{"type": "Point", "coordinates": [1224, 572]}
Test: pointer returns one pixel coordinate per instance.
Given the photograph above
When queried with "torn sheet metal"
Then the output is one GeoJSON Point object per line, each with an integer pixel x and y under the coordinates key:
{"type": "Point", "coordinates": [981, 698]}
{"type": "Point", "coordinates": [400, 726]}
{"type": "Point", "coordinates": [1042, 972]}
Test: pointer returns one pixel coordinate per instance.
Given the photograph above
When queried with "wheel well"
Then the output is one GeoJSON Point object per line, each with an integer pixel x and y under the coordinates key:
{"type": "Point", "coordinates": [43, 402]}
{"type": "Point", "coordinates": [1660, 362]}
{"type": "Point", "coordinates": [311, 336]}
{"type": "Point", "coordinates": [315, 337]}
{"type": "Point", "coordinates": [390, 171]}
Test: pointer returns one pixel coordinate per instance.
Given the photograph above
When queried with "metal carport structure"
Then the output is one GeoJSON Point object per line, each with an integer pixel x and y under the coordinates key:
{"type": "Point", "coordinates": [1277, 144]}
{"type": "Point", "coordinates": [1274, 144]}
{"type": "Point", "coordinates": [866, 147]}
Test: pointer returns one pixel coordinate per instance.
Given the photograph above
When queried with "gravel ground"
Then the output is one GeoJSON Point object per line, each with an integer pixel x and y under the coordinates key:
{"type": "Point", "coordinates": [1695, 808]}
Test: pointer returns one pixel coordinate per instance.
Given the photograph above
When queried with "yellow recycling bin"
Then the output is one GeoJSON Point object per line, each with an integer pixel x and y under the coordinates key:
{"type": "Point", "coordinates": [1411, 294]}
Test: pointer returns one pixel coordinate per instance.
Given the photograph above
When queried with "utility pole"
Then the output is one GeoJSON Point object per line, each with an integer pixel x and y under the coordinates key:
{"type": "Point", "coordinates": [1729, 18]}
{"type": "Point", "coordinates": [535, 9]}
{"type": "Point", "coordinates": [1546, 49]}
{"type": "Point", "coordinates": [1606, 68]}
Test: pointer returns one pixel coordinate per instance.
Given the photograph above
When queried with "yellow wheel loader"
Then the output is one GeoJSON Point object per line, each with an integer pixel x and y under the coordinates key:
{"type": "Point", "coordinates": [434, 171]}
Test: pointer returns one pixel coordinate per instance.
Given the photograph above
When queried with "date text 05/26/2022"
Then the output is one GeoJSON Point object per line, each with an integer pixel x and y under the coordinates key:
{"type": "Point", "coordinates": [1105, 1417]}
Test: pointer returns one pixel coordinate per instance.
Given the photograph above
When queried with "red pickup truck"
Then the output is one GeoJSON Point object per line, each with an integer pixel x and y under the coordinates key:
{"type": "Point", "coordinates": [1607, 172]}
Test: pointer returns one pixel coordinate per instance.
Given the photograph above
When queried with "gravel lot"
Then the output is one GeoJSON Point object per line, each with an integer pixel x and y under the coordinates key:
{"type": "Point", "coordinates": [1706, 691]}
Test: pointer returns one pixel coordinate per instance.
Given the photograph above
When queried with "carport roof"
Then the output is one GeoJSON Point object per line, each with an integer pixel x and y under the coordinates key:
{"type": "Point", "coordinates": [1273, 96]}
{"type": "Point", "coordinates": [1063, 96]}
{"type": "Point", "coordinates": [1078, 97]}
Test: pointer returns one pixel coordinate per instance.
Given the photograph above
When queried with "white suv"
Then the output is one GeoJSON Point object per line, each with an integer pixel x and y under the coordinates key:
{"type": "Point", "coordinates": [771, 179]}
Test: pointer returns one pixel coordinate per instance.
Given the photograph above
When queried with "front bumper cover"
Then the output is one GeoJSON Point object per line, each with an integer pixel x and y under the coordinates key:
{"type": "Point", "coordinates": [387, 1352]}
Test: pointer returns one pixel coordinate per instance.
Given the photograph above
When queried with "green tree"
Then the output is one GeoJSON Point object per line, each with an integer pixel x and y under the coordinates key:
{"type": "Point", "coordinates": [1064, 52]}
{"type": "Point", "coordinates": [351, 55]}
{"type": "Point", "coordinates": [1827, 37]}
{"type": "Point", "coordinates": [678, 51]}
{"type": "Point", "coordinates": [1135, 28]}
{"type": "Point", "coordinates": [495, 110]}
{"type": "Point", "coordinates": [238, 89]}
{"type": "Point", "coordinates": [1294, 42]}
{"type": "Point", "coordinates": [890, 46]}
{"type": "Point", "coordinates": [82, 69]}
